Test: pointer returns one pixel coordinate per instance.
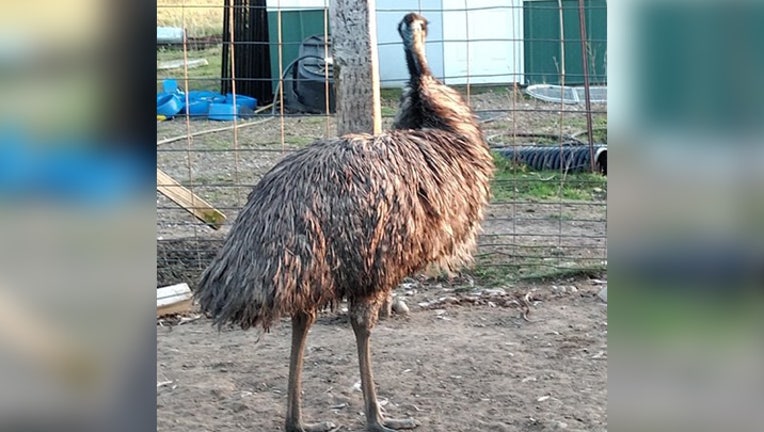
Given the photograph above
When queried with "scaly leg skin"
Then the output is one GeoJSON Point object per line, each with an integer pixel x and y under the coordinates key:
{"type": "Point", "coordinates": [362, 322]}
{"type": "Point", "coordinates": [386, 310]}
{"type": "Point", "coordinates": [300, 325]}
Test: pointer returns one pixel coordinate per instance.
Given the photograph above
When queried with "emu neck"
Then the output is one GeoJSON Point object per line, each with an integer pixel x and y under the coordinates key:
{"type": "Point", "coordinates": [416, 59]}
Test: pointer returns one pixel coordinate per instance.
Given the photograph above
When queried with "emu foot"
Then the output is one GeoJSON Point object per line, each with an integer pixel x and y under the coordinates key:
{"type": "Point", "coordinates": [392, 425]}
{"type": "Point", "coordinates": [312, 427]}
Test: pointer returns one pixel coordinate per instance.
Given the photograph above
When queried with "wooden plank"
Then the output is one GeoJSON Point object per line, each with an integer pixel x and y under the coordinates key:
{"type": "Point", "coordinates": [176, 308]}
{"type": "Point", "coordinates": [173, 294]}
{"type": "Point", "coordinates": [173, 299]}
{"type": "Point", "coordinates": [198, 207]}
{"type": "Point", "coordinates": [356, 71]}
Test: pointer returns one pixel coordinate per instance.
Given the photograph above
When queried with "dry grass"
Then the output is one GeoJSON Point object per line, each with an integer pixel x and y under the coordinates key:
{"type": "Point", "coordinates": [199, 17]}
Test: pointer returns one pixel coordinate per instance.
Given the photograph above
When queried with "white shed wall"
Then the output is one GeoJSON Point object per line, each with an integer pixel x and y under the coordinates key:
{"type": "Point", "coordinates": [494, 29]}
{"type": "Point", "coordinates": [494, 53]}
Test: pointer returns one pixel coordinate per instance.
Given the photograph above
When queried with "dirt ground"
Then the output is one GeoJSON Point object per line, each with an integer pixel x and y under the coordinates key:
{"type": "Point", "coordinates": [462, 359]}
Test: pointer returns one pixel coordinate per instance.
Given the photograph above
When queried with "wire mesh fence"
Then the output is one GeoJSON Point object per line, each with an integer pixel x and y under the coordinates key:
{"type": "Point", "coordinates": [271, 62]}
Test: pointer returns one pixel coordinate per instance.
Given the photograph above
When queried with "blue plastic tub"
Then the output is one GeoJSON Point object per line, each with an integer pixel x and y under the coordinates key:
{"type": "Point", "coordinates": [198, 108]}
{"type": "Point", "coordinates": [169, 104]}
{"type": "Point", "coordinates": [211, 96]}
{"type": "Point", "coordinates": [242, 100]}
{"type": "Point", "coordinates": [222, 111]}
{"type": "Point", "coordinates": [202, 103]}
{"type": "Point", "coordinates": [199, 102]}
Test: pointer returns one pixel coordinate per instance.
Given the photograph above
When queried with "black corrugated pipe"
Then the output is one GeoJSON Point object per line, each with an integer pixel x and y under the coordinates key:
{"type": "Point", "coordinates": [569, 158]}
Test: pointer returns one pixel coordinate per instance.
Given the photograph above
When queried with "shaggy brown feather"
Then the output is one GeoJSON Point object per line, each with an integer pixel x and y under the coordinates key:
{"type": "Point", "coordinates": [347, 218]}
{"type": "Point", "coordinates": [351, 217]}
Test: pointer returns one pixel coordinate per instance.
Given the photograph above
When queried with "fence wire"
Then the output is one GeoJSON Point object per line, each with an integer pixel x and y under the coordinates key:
{"type": "Point", "coordinates": [540, 222]}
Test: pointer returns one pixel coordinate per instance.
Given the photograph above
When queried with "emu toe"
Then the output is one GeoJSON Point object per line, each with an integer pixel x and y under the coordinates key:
{"type": "Point", "coordinates": [393, 425]}
{"type": "Point", "coordinates": [312, 427]}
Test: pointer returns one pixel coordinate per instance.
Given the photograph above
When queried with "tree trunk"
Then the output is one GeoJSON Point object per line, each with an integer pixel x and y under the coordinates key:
{"type": "Point", "coordinates": [356, 74]}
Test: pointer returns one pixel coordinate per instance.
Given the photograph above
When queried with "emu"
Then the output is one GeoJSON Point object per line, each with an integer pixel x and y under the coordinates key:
{"type": "Point", "coordinates": [349, 218]}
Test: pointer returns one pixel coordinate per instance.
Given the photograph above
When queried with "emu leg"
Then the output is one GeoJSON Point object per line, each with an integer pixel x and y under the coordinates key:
{"type": "Point", "coordinates": [362, 320]}
{"type": "Point", "coordinates": [386, 311]}
{"type": "Point", "coordinates": [300, 325]}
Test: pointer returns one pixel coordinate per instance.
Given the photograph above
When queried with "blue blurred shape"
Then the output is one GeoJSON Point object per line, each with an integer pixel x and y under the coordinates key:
{"type": "Point", "coordinates": [15, 164]}
{"type": "Point", "coordinates": [72, 172]}
{"type": "Point", "coordinates": [87, 175]}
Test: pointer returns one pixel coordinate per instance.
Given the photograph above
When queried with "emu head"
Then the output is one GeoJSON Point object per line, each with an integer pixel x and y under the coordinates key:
{"type": "Point", "coordinates": [413, 29]}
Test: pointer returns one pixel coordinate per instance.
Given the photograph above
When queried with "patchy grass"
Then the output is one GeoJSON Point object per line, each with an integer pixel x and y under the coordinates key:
{"type": "Point", "coordinates": [313, 120]}
{"type": "Point", "coordinates": [218, 142]}
{"type": "Point", "coordinates": [214, 179]}
{"type": "Point", "coordinates": [478, 89]}
{"type": "Point", "coordinates": [561, 273]}
{"type": "Point", "coordinates": [494, 275]}
{"type": "Point", "coordinates": [199, 17]}
{"type": "Point", "coordinates": [517, 182]}
{"type": "Point", "coordinates": [496, 270]}
{"type": "Point", "coordinates": [389, 111]}
{"type": "Point", "coordinates": [390, 97]}
{"type": "Point", "coordinates": [299, 140]}
{"type": "Point", "coordinates": [599, 127]}
{"type": "Point", "coordinates": [200, 78]}
{"type": "Point", "coordinates": [564, 216]}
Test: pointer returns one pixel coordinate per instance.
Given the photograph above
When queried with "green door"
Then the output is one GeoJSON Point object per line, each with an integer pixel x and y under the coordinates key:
{"type": "Point", "coordinates": [543, 54]}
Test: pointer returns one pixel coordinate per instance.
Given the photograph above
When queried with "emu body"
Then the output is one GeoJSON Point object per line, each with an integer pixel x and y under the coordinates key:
{"type": "Point", "coordinates": [347, 218]}
{"type": "Point", "coordinates": [350, 218]}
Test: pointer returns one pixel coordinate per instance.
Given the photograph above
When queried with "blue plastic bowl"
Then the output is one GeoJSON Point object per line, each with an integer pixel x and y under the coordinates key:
{"type": "Point", "coordinates": [198, 108]}
{"type": "Point", "coordinates": [222, 111]}
{"type": "Point", "coordinates": [211, 96]}
{"type": "Point", "coordinates": [169, 104]}
{"type": "Point", "coordinates": [242, 100]}
{"type": "Point", "coordinates": [200, 100]}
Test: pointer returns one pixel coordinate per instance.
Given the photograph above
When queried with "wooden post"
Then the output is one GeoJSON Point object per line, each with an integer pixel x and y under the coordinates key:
{"type": "Point", "coordinates": [356, 72]}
